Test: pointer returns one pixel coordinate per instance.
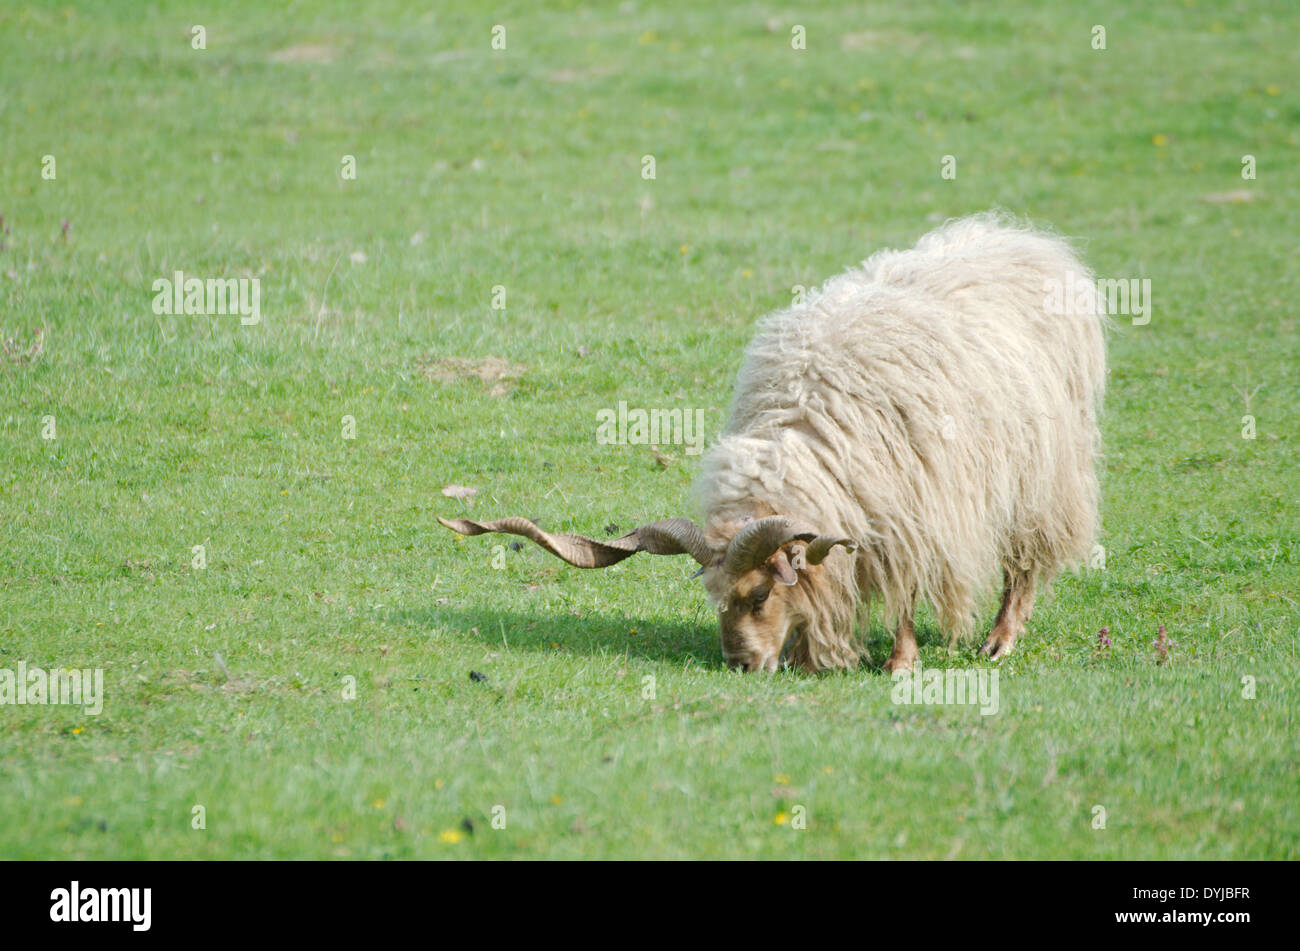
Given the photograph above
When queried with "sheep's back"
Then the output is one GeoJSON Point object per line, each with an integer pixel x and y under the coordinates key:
{"type": "Point", "coordinates": [929, 399]}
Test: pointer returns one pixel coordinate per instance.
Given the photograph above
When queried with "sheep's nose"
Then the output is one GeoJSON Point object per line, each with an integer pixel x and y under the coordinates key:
{"type": "Point", "coordinates": [746, 662]}
{"type": "Point", "coordinates": [740, 661]}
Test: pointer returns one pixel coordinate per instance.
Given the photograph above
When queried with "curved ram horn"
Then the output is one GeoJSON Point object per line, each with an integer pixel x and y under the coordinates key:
{"type": "Point", "coordinates": [759, 540]}
{"type": "Point", "coordinates": [821, 546]}
{"type": "Point", "coordinates": [672, 536]}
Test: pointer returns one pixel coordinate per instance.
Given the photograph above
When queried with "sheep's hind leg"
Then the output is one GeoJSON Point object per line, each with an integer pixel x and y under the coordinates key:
{"type": "Point", "coordinates": [904, 653]}
{"type": "Point", "coordinates": [1017, 603]}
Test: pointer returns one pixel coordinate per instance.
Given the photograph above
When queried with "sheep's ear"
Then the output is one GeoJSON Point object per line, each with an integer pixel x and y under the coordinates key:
{"type": "Point", "coordinates": [782, 571]}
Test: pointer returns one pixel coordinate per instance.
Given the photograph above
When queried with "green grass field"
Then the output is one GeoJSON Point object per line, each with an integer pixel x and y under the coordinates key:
{"type": "Point", "coordinates": [522, 169]}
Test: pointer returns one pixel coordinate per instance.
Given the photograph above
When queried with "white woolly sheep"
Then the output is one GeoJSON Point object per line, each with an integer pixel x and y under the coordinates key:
{"type": "Point", "coordinates": [929, 412]}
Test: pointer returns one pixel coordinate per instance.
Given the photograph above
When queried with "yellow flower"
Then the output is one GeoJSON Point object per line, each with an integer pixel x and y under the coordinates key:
{"type": "Point", "coordinates": [1160, 140]}
{"type": "Point", "coordinates": [1272, 90]}
{"type": "Point", "coordinates": [685, 249]}
{"type": "Point", "coordinates": [450, 836]}
{"type": "Point", "coordinates": [437, 784]}
{"type": "Point", "coordinates": [649, 36]}
{"type": "Point", "coordinates": [76, 729]}
{"type": "Point", "coordinates": [781, 818]}
{"type": "Point", "coordinates": [379, 803]}
{"type": "Point", "coordinates": [782, 779]}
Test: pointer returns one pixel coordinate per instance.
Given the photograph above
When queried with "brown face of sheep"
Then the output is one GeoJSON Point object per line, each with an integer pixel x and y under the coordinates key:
{"type": "Point", "coordinates": [757, 612]}
{"type": "Point", "coordinates": [753, 580]}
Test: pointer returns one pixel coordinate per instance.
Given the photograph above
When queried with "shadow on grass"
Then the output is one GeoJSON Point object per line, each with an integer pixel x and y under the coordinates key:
{"type": "Point", "coordinates": [666, 639]}
{"type": "Point", "coordinates": [663, 639]}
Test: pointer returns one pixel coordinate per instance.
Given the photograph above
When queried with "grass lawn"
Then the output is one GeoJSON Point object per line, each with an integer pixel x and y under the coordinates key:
{"type": "Point", "coordinates": [607, 725]}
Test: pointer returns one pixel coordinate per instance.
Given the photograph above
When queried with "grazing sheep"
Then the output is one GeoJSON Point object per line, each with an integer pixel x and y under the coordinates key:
{"type": "Point", "coordinates": [916, 427]}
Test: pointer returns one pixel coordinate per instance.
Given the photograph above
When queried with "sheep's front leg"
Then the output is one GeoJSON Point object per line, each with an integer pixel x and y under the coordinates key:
{"type": "Point", "coordinates": [1017, 603]}
{"type": "Point", "coordinates": [904, 653]}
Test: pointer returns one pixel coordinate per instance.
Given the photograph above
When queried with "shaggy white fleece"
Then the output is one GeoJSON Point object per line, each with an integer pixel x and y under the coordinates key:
{"type": "Point", "coordinates": [930, 405]}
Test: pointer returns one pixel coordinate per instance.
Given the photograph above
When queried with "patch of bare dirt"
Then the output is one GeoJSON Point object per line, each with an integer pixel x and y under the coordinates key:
{"type": "Point", "coordinates": [496, 373]}
{"type": "Point", "coordinates": [304, 53]}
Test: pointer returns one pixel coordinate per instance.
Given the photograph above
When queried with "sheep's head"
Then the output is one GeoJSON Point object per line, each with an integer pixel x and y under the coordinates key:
{"type": "Point", "coordinates": [755, 583]}
{"type": "Point", "coordinates": [753, 576]}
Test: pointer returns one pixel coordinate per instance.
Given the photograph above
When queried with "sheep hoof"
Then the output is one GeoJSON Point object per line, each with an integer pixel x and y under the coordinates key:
{"type": "Point", "coordinates": [999, 645]}
{"type": "Point", "coordinates": [899, 662]}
